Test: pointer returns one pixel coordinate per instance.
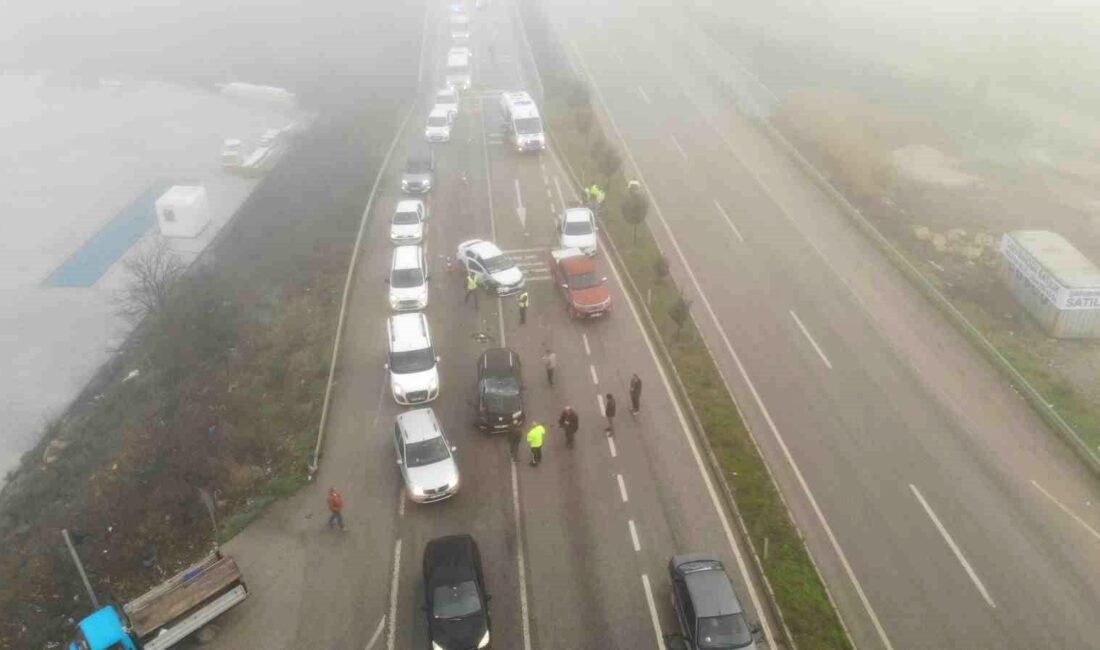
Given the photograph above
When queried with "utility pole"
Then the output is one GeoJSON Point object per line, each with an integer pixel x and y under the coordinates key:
{"type": "Point", "coordinates": [80, 567]}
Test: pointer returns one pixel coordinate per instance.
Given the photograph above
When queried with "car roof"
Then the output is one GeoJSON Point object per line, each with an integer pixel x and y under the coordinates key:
{"type": "Point", "coordinates": [518, 97]}
{"type": "Point", "coordinates": [483, 249]}
{"type": "Point", "coordinates": [419, 425]}
{"type": "Point", "coordinates": [499, 361]}
{"type": "Point", "coordinates": [438, 111]}
{"type": "Point", "coordinates": [578, 264]}
{"type": "Point", "coordinates": [409, 205]}
{"type": "Point", "coordinates": [409, 332]}
{"type": "Point", "coordinates": [578, 214]}
{"type": "Point", "coordinates": [524, 111]}
{"type": "Point", "coordinates": [450, 558]}
{"type": "Point", "coordinates": [450, 92]}
{"type": "Point", "coordinates": [406, 257]}
{"type": "Point", "coordinates": [710, 588]}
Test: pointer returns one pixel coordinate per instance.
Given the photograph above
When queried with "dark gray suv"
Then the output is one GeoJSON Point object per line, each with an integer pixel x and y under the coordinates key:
{"type": "Point", "coordinates": [710, 616]}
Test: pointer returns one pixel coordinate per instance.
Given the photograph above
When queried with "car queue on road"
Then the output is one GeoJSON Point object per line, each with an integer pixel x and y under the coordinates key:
{"type": "Point", "coordinates": [456, 602]}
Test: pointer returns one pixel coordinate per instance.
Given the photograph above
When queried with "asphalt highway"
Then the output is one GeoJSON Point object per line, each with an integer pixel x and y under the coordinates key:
{"type": "Point", "coordinates": [574, 550]}
{"type": "Point", "coordinates": [941, 510]}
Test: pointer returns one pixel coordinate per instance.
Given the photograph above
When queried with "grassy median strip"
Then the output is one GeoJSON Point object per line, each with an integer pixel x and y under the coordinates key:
{"type": "Point", "coordinates": [799, 593]}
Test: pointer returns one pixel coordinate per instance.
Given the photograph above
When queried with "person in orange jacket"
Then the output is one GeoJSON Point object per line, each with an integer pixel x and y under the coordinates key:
{"type": "Point", "coordinates": [335, 506]}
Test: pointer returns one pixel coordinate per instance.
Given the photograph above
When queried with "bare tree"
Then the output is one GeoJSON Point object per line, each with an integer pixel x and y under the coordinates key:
{"type": "Point", "coordinates": [153, 274]}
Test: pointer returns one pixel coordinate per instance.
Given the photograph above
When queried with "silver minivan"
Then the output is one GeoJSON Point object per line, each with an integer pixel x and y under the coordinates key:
{"type": "Point", "coordinates": [408, 279]}
{"type": "Point", "coordinates": [426, 459]}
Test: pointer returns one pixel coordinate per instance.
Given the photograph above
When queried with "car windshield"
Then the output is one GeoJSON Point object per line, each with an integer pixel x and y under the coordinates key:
{"type": "Point", "coordinates": [729, 631]}
{"type": "Point", "coordinates": [426, 452]}
{"type": "Point", "coordinates": [445, 98]}
{"type": "Point", "coordinates": [437, 120]}
{"type": "Point", "coordinates": [455, 601]}
{"type": "Point", "coordinates": [585, 280]}
{"type": "Point", "coordinates": [418, 166]}
{"type": "Point", "coordinates": [412, 361]}
{"type": "Point", "coordinates": [406, 278]}
{"type": "Point", "coordinates": [498, 263]}
{"type": "Point", "coordinates": [528, 125]}
{"type": "Point", "coordinates": [578, 228]}
{"type": "Point", "coordinates": [500, 395]}
{"type": "Point", "coordinates": [406, 218]}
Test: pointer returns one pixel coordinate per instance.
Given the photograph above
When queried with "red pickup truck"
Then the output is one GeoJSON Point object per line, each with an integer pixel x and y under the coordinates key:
{"type": "Point", "coordinates": [575, 275]}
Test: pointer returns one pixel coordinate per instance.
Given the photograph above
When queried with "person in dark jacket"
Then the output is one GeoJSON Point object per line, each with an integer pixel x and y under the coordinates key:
{"type": "Point", "coordinates": [609, 413]}
{"type": "Point", "coordinates": [635, 393]}
{"type": "Point", "coordinates": [569, 422]}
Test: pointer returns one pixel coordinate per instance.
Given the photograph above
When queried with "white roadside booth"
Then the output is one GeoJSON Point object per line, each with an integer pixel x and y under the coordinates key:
{"type": "Point", "coordinates": [183, 211]}
{"type": "Point", "coordinates": [1054, 281]}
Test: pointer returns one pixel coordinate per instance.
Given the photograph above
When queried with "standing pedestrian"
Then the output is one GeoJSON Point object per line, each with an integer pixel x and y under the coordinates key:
{"type": "Point", "coordinates": [335, 506]}
{"type": "Point", "coordinates": [635, 393]}
{"type": "Point", "coordinates": [523, 300]}
{"type": "Point", "coordinates": [609, 413]}
{"type": "Point", "coordinates": [534, 440]}
{"type": "Point", "coordinates": [570, 423]}
{"type": "Point", "coordinates": [550, 360]}
{"type": "Point", "coordinates": [514, 436]}
{"type": "Point", "coordinates": [471, 289]}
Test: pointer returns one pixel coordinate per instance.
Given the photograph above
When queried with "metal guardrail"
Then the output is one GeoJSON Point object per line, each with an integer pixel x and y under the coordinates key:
{"type": "Point", "coordinates": [1042, 407]}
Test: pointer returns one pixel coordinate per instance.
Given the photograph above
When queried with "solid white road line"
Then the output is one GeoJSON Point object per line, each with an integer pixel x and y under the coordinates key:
{"type": "Point", "coordinates": [394, 584]}
{"type": "Point", "coordinates": [645, 97]}
{"type": "Point", "coordinates": [1066, 510]}
{"type": "Point", "coordinates": [611, 445]}
{"type": "Point", "coordinates": [622, 488]}
{"type": "Point", "coordinates": [809, 338]}
{"type": "Point", "coordinates": [401, 503]}
{"type": "Point", "coordinates": [423, 45]}
{"type": "Point", "coordinates": [521, 211]}
{"type": "Point", "coordinates": [676, 143]}
{"type": "Point", "coordinates": [599, 398]}
{"type": "Point", "coordinates": [587, 350]}
{"type": "Point", "coordinates": [729, 221]}
{"type": "Point", "coordinates": [377, 633]}
{"type": "Point", "coordinates": [634, 536]}
{"type": "Point", "coordinates": [954, 547]}
{"type": "Point", "coordinates": [595, 379]}
{"type": "Point", "coordinates": [520, 563]}
{"type": "Point", "coordinates": [488, 173]}
{"type": "Point", "coordinates": [653, 612]}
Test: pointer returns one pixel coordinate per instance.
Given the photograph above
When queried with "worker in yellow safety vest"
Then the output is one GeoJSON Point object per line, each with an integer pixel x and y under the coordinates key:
{"type": "Point", "coordinates": [534, 440]}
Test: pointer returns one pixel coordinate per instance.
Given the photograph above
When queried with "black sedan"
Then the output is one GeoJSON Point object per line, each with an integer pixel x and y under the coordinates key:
{"type": "Point", "coordinates": [499, 390]}
{"type": "Point", "coordinates": [457, 605]}
{"type": "Point", "coordinates": [707, 608]}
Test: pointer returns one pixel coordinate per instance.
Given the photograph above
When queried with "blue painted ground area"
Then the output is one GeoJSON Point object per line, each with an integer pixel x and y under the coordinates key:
{"type": "Point", "coordinates": [92, 260]}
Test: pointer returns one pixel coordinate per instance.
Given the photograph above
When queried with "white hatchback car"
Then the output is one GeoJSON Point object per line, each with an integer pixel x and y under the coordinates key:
{"type": "Point", "coordinates": [493, 269]}
{"type": "Point", "coordinates": [413, 366]}
{"type": "Point", "coordinates": [426, 459]}
{"type": "Point", "coordinates": [438, 128]}
{"type": "Point", "coordinates": [407, 225]}
{"type": "Point", "coordinates": [578, 230]}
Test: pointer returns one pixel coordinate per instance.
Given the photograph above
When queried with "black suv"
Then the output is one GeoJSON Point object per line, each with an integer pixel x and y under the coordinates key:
{"type": "Point", "coordinates": [499, 390]}
{"type": "Point", "coordinates": [710, 615]}
{"type": "Point", "coordinates": [457, 605]}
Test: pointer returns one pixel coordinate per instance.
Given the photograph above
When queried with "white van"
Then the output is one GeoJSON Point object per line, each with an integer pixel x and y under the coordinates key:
{"type": "Point", "coordinates": [458, 70]}
{"type": "Point", "coordinates": [413, 366]}
{"type": "Point", "coordinates": [523, 121]}
{"type": "Point", "coordinates": [408, 279]}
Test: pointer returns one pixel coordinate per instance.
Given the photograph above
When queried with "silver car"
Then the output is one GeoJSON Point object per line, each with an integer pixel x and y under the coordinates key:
{"type": "Point", "coordinates": [426, 458]}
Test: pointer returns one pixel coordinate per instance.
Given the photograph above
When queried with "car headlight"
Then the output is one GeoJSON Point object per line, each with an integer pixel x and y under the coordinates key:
{"type": "Point", "coordinates": [484, 642]}
{"type": "Point", "coordinates": [433, 384]}
{"type": "Point", "coordinates": [517, 415]}
{"type": "Point", "coordinates": [398, 390]}
{"type": "Point", "coordinates": [394, 302]}
{"type": "Point", "coordinates": [436, 646]}
{"type": "Point", "coordinates": [416, 491]}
